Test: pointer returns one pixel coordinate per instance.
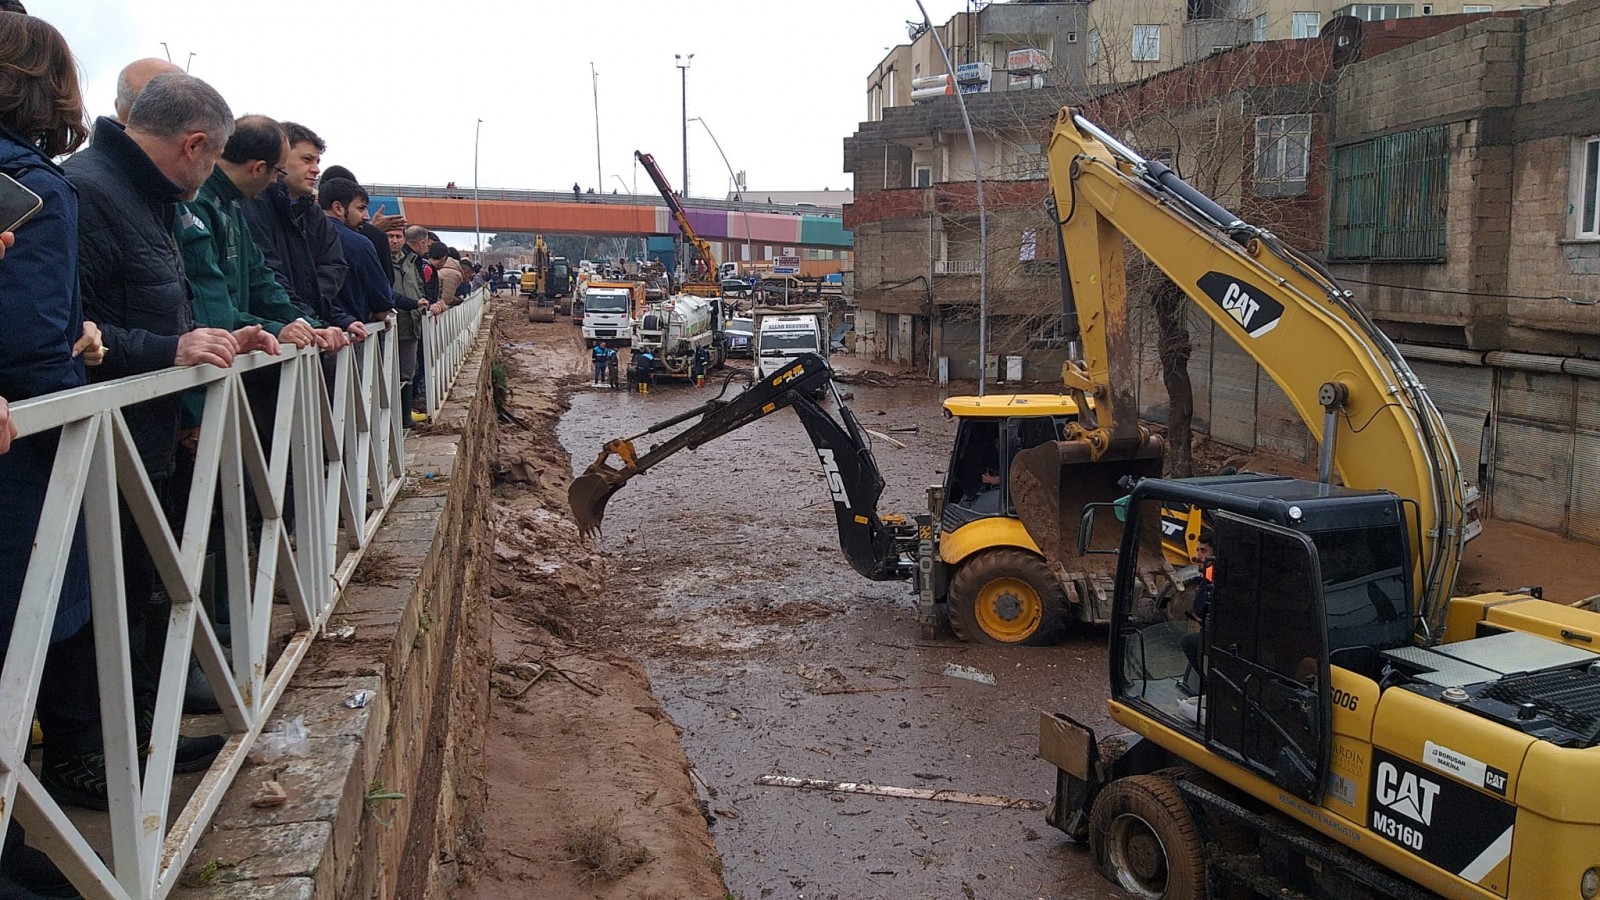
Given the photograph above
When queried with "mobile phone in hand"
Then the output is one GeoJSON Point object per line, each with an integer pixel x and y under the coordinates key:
{"type": "Point", "coordinates": [17, 203]}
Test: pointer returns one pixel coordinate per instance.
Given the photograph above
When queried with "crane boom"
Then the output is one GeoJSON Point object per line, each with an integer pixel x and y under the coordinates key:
{"type": "Point", "coordinates": [1345, 377]}
{"type": "Point", "coordinates": [694, 283]}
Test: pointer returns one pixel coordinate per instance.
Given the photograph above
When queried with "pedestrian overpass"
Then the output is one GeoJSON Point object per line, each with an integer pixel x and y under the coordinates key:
{"type": "Point", "coordinates": [622, 215]}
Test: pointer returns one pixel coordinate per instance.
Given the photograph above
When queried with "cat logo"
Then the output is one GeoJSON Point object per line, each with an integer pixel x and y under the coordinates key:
{"type": "Point", "coordinates": [1255, 310]}
{"type": "Point", "coordinates": [1408, 794]}
{"type": "Point", "coordinates": [830, 468]}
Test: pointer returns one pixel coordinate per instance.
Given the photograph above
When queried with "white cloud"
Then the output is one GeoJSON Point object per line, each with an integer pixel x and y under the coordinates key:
{"type": "Point", "coordinates": [395, 88]}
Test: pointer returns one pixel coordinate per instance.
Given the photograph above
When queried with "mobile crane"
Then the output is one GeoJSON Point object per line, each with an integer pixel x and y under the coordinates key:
{"type": "Point", "coordinates": [700, 272]}
{"type": "Point", "coordinates": [1340, 726]}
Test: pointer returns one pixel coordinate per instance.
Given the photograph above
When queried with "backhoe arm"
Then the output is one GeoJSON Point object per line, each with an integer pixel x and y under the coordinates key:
{"type": "Point", "coordinates": [873, 548]}
{"type": "Point", "coordinates": [1346, 379]}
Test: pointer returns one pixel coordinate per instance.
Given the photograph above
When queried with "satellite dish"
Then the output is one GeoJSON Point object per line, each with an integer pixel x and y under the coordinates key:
{"type": "Point", "coordinates": [1345, 33]}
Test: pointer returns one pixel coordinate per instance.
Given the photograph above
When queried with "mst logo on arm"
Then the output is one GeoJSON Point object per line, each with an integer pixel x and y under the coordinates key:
{"type": "Point", "coordinates": [1255, 310]}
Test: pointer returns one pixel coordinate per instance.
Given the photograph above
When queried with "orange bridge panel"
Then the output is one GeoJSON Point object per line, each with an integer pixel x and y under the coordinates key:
{"type": "Point", "coordinates": [507, 215]}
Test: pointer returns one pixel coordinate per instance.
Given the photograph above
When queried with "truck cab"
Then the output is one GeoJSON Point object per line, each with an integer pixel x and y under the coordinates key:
{"type": "Point", "coordinates": [608, 313]}
{"type": "Point", "coordinates": [785, 333]}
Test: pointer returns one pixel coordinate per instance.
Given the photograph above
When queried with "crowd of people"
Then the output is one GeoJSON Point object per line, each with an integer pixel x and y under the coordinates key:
{"type": "Point", "coordinates": [173, 234]}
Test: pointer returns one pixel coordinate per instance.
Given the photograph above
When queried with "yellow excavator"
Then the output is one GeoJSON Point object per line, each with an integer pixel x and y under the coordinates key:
{"type": "Point", "coordinates": [1338, 724]}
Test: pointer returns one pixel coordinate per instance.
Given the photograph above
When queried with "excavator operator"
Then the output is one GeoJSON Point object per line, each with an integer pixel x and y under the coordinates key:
{"type": "Point", "coordinates": [1205, 558]}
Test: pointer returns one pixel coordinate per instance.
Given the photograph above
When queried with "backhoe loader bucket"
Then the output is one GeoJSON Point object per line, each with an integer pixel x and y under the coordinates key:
{"type": "Point", "coordinates": [588, 493]}
{"type": "Point", "coordinates": [1051, 484]}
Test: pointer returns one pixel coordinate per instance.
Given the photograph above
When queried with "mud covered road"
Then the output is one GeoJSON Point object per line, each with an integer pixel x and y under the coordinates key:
{"type": "Point", "coordinates": [720, 572]}
{"type": "Point", "coordinates": [725, 577]}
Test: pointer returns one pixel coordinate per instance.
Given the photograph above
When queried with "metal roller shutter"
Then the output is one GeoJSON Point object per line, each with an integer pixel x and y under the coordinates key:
{"type": "Point", "coordinates": [1583, 521]}
{"type": "Point", "coordinates": [1233, 395]}
{"type": "Point", "coordinates": [1465, 396]}
{"type": "Point", "coordinates": [1533, 448]}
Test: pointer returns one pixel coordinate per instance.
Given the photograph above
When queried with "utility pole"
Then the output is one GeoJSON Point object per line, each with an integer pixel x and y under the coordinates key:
{"type": "Point", "coordinates": [599, 179]}
{"type": "Point", "coordinates": [477, 229]}
{"type": "Point", "coordinates": [683, 69]}
{"type": "Point", "coordinates": [983, 218]}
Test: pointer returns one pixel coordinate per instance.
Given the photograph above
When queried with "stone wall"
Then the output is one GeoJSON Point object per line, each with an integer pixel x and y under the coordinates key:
{"type": "Point", "coordinates": [419, 606]}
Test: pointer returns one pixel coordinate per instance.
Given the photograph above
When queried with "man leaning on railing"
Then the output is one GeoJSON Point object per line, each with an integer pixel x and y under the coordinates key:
{"type": "Point", "coordinates": [130, 183]}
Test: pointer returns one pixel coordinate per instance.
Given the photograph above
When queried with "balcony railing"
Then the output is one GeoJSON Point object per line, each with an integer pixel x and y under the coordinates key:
{"type": "Point", "coordinates": [295, 511]}
{"type": "Point", "coordinates": [955, 267]}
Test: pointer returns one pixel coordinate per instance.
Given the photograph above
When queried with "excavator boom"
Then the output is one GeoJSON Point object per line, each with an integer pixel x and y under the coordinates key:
{"type": "Point", "coordinates": [1377, 425]}
{"type": "Point", "coordinates": [876, 550]}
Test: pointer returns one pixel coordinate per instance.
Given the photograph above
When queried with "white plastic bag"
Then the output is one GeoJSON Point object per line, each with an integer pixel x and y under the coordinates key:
{"type": "Point", "coordinates": [290, 739]}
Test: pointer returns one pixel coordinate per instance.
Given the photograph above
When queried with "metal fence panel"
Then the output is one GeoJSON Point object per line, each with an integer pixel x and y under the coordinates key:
{"type": "Point", "coordinates": [341, 454]}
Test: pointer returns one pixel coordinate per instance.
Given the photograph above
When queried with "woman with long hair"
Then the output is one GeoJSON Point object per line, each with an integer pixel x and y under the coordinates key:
{"type": "Point", "coordinates": [42, 118]}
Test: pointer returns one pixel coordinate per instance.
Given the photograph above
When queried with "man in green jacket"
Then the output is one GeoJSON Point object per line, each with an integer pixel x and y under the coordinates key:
{"type": "Point", "coordinates": [410, 299]}
{"type": "Point", "coordinates": [230, 284]}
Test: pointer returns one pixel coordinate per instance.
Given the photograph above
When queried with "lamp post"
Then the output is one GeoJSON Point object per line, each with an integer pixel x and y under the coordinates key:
{"type": "Point", "coordinates": [983, 218]}
{"type": "Point", "coordinates": [683, 69]}
{"type": "Point", "coordinates": [599, 179]}
{"type": "Point", "coordinates": [477, 229]}
{"type": "Point", "coordinates": [737, 185]}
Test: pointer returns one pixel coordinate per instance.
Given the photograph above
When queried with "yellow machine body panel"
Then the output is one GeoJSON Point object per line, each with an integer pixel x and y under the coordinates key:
{"type": "Point", "coordinates": [996, 531]}
{"type": "Point", "coordinates": [1007, 405]}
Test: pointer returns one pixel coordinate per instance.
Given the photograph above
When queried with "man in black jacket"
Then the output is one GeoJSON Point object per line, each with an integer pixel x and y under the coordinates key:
{"type": "Point", "coordinates": [130, 184]}
{"type": "Point", "coordinates": [299, 244]}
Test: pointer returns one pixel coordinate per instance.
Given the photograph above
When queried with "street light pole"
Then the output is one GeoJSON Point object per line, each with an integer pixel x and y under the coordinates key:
{"type": "Point", "coordinates": [737, 186]}
{"type": "Point", "coordinates": [683, 69]}
{"type": "Point", "coordinates": [599, 179]}
{"type": "Point", "coordinates": [477, 229]}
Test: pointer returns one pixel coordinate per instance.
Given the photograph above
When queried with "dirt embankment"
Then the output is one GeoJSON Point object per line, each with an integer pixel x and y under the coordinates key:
{"type": "Point", "coordinates": [589, 790]}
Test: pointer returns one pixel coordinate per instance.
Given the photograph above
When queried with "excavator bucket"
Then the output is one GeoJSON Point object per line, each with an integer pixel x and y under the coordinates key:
{"type": "Point", "coordinates": [588, 493]}
{"type": "Point", "coordinates": [1053, 482]}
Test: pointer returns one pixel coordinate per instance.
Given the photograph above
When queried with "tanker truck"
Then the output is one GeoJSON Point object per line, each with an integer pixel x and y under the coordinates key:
{"type": "Point", "coordinates": [673, 329]}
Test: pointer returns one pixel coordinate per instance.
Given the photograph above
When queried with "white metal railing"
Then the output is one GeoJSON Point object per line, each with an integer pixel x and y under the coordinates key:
{"type": "Point", "coordinates": [955, 267]}
{"type": "Point", "coordinates": [446, 341]}
{"type": "Point", "coordinates": [338, 451]}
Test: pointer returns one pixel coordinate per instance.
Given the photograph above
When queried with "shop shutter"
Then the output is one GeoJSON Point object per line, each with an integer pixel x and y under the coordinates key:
{"type": "Point", "coordinates": [1533, 468]}
{"type": "Point", "coordinates": [1464, 396]}
{"type": "Point", "coordinates": [1233, 395]}
{"type": "Point", "coordinates": [1583, 521]}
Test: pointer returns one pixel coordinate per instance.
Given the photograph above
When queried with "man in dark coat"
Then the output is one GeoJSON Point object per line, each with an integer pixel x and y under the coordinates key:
{"type": "Point", "coordinates": [130, 185]}
{"type": "Point", "coordinates": [299, 244]}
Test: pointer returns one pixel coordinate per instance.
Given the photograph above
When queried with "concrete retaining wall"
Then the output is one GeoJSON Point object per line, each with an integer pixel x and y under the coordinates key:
{"type": "Point", "coordinates": [419, 604]}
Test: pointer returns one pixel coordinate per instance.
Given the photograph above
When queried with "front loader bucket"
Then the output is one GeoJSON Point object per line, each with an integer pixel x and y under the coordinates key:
{"type": "Point", "coordinates": [1051, 484]}
{"type": "Point", "coordinates": [588, 493]}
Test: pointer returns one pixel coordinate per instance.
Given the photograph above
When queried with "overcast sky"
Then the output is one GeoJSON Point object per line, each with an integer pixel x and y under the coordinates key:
{"type": "Point", "coordinates": [395, 88]}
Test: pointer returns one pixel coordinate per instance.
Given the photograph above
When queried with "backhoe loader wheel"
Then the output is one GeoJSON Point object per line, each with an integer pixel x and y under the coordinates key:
{"type": "Point", "coordinates": [1006, 596]}
{"type": "Point", "coordinates": [1144, 840]}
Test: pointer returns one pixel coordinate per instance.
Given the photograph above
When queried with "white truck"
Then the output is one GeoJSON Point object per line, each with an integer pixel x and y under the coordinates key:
{"type": "Point", "coordinates": [785, 332]}
{"type": "Point", "coordinates": [672, 330]}
{"type": "Point", "coordinates": [608, 308]}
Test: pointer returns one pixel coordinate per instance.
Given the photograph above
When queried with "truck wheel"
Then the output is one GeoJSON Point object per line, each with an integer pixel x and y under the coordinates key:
{"type": "Point", "coordinates": [1144, 841]}
{"type": "Point", "coordinates": [1006, 596]}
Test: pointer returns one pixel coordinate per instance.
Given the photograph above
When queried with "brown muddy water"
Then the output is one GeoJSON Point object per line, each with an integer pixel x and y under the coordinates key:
{"type": "Point", "coordinates": [773, 657]}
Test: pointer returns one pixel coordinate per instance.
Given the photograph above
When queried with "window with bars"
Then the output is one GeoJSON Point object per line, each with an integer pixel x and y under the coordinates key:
{"type": "Point", "coordinates": [1390, 196]}
{"type": "Point", "coordinates": [1283, 154]}
{"type": "Point", "coordinates": [1587, 186]}
{"type": "Point", "coordinates": [1146, 43]}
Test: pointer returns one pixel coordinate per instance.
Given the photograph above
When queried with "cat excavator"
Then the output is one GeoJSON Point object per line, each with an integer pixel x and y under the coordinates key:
{"type": "Point", "coordinates": [1336, 724]}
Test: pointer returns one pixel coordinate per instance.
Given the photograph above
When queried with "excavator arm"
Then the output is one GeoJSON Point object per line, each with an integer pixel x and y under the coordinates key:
{"type": "Point", "coordinates": [877, 550]}
{"type": "Point", "coordinates": [1377, 426]}
{"type": "Point", "coordinates": [681, 216]}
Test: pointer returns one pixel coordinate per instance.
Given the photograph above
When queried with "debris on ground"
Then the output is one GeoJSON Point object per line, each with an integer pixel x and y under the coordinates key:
{"type": "Point", "coordinates": [883, 790]}
{"type": "Point", "coordinates": [954, 670]}
{"type": "Point", "coordinates": [601, 853]}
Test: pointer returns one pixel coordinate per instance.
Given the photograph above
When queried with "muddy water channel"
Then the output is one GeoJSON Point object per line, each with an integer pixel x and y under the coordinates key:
{"type": "Point", "coordinates": [725, 577]}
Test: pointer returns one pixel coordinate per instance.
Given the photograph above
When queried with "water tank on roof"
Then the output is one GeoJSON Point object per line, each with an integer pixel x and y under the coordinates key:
{"type": "Point", "coordinates": [929, 88]}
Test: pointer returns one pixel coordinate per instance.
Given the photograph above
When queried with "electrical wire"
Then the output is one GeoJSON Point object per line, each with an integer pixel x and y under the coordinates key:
{"type": "Point", "coordinates": [1428, 290]}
